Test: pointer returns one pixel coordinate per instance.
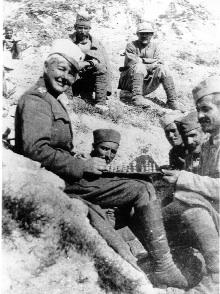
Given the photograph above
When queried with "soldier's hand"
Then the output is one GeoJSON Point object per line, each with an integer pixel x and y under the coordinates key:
{"type": "Point", "coordinates": [95, 62]}
{"type": "Point", "coordinates": [170, 176]}
{"type": "Point", "coordinates": [95, 165]}
{"type": "Point", "coordinates": [83, 64]}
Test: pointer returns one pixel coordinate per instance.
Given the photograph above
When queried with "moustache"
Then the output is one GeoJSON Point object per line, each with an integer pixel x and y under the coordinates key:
{"type": "Point", "coordinates": [204, 120]}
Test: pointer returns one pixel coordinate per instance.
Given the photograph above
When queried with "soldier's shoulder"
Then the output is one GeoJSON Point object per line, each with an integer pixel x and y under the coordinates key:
{"type": "Point", "coordinates": [155, 44]}
{"type": "Point", "coordinates": [36, 92]}
{"type": "Point", "coordinates": [132, 44]}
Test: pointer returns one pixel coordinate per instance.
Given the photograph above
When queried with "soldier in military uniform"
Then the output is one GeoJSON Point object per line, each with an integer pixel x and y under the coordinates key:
{"type": "Point", "coordinates": [177, 153]}
{"type": "Point", "coordinates": [43, 133]}
{"type": "Point", "coordinates": [144, 69]}
{"type": "Point", "coordinates": [196, 197]}
{"type": "Point", "coordinates": [11, 44]}
{"type": "Point", "coordinates": [95, 74]}
{"type": "Point", "coordinates": [193, 138]}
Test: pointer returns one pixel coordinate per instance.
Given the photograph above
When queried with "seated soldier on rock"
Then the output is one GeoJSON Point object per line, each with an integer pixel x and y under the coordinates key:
{"type": "Point", "coordinates": [95, 74]}
{"type": "Point", "coordinates": [177, 153]}
{"type": "Point", "coordinates": [144, 69]}
{"type": "Point", "coordinates": [193, 138]}
{"type": "Point", "coordinates": [196, 198]}
{"type": "Point", "coordinates": [43, 133]}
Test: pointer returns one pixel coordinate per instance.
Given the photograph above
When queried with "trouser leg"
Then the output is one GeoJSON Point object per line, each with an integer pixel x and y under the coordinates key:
{"type": "Point", "coordinates": [141, 196]}
{"type": "Point", "coordinates": [153, 237]}
{"type": "Point", "coordinates": [84, 87]}
{"type": "Point", "coordinates": [177, 234]}
{"type": "Point", "coordinates": [137, 85]}
{"type": "Point", "coordinates": [101, 85]}
{"type": "Point", "coordinates": [169, 88]}
{"type": "Point", "coordinates": [203, 228]}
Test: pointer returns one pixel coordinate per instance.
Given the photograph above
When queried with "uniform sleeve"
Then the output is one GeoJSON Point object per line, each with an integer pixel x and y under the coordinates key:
{"type": "Point", "coordinates": [131, 55]}
{"type": "Point", "coordinates": [206, 186]}
{"type": "Point", "coordinates": [36, 123]}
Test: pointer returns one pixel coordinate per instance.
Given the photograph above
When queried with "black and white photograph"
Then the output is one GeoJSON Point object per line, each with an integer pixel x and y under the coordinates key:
{"type": "Point", "coordinates": [110, 146]}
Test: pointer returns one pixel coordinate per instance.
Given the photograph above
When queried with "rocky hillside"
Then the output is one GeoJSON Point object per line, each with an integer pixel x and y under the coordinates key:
{"type": "Point", "coordinates": [188, 32]}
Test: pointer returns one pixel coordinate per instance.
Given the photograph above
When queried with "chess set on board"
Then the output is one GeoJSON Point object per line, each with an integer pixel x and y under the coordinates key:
{"type": "Point", "coordinates": [147, 169]}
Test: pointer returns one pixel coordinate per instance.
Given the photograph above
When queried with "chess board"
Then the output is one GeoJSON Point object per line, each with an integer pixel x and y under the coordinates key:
{"type": "Point", "coordinates": [148, 170]}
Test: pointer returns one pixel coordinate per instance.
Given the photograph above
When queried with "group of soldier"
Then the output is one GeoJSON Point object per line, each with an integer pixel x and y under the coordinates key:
{"type": "Point", "coordinates": [43, 133]}
{"type": "Point", "coordinates": [142, 73]}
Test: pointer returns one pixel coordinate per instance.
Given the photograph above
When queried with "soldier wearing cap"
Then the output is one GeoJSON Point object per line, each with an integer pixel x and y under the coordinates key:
{"type": "Point", "coordinates": [177, 153]}
{"type": "Point", "coordinates": [95, 73]}
{"type": "Point", "coordinates": [42, 125]}
{"type": "Point", "coordinates": [11, 43]}
{"type": "Point", "coordinates": [43, 133]}
{"type": "Point", "coordinates": [125, 194]}
{"type": "Point", "coordinates": [197, 195]}
{"type": "Point", "coordinates": [144, 70]}
{"type": "Point", "coordinates": [193, 138]}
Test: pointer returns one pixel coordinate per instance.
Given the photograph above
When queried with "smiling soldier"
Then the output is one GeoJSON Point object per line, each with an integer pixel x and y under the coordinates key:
{"type": "Point", "coordinates": [43, 133]}
{"type": "Point", "coordinates": [196, 197]}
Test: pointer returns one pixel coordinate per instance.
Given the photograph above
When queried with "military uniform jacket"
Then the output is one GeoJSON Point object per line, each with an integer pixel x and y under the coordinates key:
{"type": "Point", "coordinates": [43, 132]}
{"type": "Point", "coordinates": [134, 52]}
{"type": "Point", "coordinates": [99, 53]}
{"type": "Point", "coordinates": [203, 189]}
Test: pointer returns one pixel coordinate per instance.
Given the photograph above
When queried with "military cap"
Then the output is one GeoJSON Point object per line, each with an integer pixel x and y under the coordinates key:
{"type": "Point", "coordinates": [83, 19]}
{"type": "Point", "coordinates": [188, 123]}
{"type": "Point", "coordinates": [169, 118]}
{"type": "Point", "coordinates": [145, 27]}
{"type": "Point", "coordinates": [68, 50]}
{"type": "Point", "coordinates": [7, 28]}
{"type": "Point", "coordinates": [106, 135]}
{"type": "Point", "coordinates": [209, 86]}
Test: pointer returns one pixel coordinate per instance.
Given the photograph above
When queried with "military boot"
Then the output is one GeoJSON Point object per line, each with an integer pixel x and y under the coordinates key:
{"type": "Point", "coordinates": [137, 90]}
{"type": "Point", "coordinates": [169, 88]}
{"type": "Point", "coordinates": [202, 227]}
{"type": "Point", "coordinates": [153, 238]}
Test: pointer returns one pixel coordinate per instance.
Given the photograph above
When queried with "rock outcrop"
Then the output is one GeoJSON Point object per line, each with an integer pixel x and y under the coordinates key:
{"type": "Point", "coordinates": [48, 242]}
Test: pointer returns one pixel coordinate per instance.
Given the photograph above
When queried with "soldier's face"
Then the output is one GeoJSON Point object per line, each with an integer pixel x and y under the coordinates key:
{"type": "Point", "coordinates": [82, 32]}
{"type": "Point", "coordinates": [59, 74]}
{"type": "Point", "coordinates": [145, 37]}
{"type": "Point", "coordinates": [8, 33]}
{"type": "Point", "coordinates": [208, 109]}
{"type": "Point", "coordinates": [193, 140]}
{"type": "Point", "coordinates": [106, 150]}
{"type": "Point", "coordinates": [173, 135]}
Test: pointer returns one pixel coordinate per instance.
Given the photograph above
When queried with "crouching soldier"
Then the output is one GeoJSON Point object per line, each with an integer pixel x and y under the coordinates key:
{"type": "Point", "coordinates": [144, 70]}
{"type": "Point", "coordinates": [95, 73]}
